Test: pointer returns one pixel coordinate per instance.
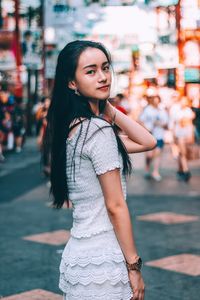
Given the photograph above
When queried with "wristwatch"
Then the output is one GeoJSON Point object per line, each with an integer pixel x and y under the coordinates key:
{"type": "Point", "coordinates": [136, 266]}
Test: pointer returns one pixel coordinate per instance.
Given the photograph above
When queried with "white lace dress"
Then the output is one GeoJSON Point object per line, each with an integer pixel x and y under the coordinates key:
{"type": "Point", "coordinates": [92, 265]}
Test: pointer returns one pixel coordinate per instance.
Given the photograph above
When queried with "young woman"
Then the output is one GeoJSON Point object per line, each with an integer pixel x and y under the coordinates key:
{"type": "Point", "coordinates": [88, 166]}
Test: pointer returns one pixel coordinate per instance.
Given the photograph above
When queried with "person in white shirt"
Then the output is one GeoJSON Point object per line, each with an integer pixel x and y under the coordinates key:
{"type": "Point", "coordinates": [184, 134]}
{"type": "Point", "coordinates": [155, 119]}
{"type": "Point", "coordinates": [173, 110]}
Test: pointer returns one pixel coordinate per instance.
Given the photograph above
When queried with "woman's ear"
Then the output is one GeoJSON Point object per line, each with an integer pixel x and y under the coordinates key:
{"type": "Point", "coordinates": [72, 85]}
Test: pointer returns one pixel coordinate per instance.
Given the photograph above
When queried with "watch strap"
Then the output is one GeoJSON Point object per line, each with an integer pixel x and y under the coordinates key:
{"type": "Point", "coordinates": [136, 266]}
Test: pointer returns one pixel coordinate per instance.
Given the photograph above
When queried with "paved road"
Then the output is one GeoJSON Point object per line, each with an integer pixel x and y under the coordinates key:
{"type": "Point", "coordinates": [165, 216]}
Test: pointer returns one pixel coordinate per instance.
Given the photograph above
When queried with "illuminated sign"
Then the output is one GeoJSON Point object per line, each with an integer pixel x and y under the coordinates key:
{"type": "Point", "coordinates": [192, 75]}
{"type": "Point", "coordinates": [167, 2]}
{"type": "Point", "coordinates": [55, 13]}
{"type": "Point", "coordinates": [189, 14]}
{"type": "Point", "coordinates": [162, 2]}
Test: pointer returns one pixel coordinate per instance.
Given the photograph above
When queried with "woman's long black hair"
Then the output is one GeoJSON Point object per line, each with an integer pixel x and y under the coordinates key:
{"type": "Point", "coordinates": [64, 108]}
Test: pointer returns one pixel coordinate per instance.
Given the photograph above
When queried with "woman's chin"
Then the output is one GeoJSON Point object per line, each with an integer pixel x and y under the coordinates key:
{"type": "Point", "coordinates": [100, 96]}
{"type": "Point", "coordinates": [104, 97]}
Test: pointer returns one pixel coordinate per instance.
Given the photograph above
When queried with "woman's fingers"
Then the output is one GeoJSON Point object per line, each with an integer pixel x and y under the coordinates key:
{"type": "Point", "coordinates": [141, 295]}
{"type": "Point", "coordinates": [135, 294]}
{"type": "Point", "coordinates": [138, 294]}
{"type": "Point", "coordinates": [137, 285]}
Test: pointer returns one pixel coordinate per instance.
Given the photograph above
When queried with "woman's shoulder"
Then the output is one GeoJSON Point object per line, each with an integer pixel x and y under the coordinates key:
{"type": "Point", "coordinates": [97, 128]}
{"type": "Point", "coordinates": [100, 121]}
{"type": "Point", "coordinates": [97, 123]}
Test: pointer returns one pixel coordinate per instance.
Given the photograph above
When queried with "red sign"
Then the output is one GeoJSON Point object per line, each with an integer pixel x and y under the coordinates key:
{"type": "Point", "coordinates": [6, 39]}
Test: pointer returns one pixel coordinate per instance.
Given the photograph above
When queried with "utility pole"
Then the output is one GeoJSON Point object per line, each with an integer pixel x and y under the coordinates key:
{"type": "Point", "coordinates": [180, 78]}
{"type": "Point", "coordinates": [17, 35]}
{"type": "Point", "coordinates": [42, 26]}
{"type": "Point", "coordinates": [1, 17]}
{"type": "Point", "coordinates": [18, 56]}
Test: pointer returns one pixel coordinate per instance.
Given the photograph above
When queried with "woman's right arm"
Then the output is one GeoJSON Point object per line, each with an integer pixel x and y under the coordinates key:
{"type": "Point", "coordinates": [120, 218]}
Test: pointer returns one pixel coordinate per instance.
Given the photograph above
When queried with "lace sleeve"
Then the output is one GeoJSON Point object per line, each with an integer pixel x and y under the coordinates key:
{"type": "Point", "coordinates": [103, 150]}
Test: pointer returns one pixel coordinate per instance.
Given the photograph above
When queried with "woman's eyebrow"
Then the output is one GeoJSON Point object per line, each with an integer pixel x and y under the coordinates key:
{"type": "Point", "coordinates": [94, 65]}
{"type": "Point", "coordinates": [105, 63]}
{"type": "Point", "coordinates": [90, 66]}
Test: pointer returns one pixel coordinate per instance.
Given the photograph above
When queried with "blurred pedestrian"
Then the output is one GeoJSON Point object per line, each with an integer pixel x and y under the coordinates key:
{"type": "Point", "coordinates": [28, 45]}
{"type": "Point", "coordinates": [2, 157]}
{"type": "Point", "coordinates": [19, 126]}
{"type": "Point", "coordinates": [184, 135]}
{"type": "Point", "coordinates": [39, 110]}
{"type": "Point", "coordinates": [88, 167]}
{"type": "Point", "coordinates": [7, 104]}
{"type": "Point", "coordinates": [196, 123]}
{"type": "Point", "coordinates": [121, 103]}
{"type": "Point", "coordinates": [155, 119]}
{"type": "Point", "coordinates": [7, 130]}
{"type": "Point", "coordinates": [42, 118]}
{"type": "Point", "coordinates": [173, 111]}
{"type": "Point", "coordinates": [117, 103]}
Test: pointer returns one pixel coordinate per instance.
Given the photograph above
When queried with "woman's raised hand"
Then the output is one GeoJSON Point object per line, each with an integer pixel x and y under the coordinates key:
{"type": "Point", "coordinates": [109, 112]}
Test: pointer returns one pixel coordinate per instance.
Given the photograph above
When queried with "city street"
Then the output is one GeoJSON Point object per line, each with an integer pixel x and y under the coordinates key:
{"type": "Point", "coordinates": [165, 216]}
{"type": "Point", "coordinates": [61, 61]}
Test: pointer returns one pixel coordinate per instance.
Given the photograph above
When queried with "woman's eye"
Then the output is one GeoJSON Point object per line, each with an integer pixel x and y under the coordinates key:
{"type": "Point", "coordinates": [107, 68]}
{"type": "Point", "coordinates": [90, 72]}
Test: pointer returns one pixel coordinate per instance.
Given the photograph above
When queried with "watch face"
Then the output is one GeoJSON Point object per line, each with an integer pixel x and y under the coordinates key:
{"type": "Point", "coordinates": [139, 263]}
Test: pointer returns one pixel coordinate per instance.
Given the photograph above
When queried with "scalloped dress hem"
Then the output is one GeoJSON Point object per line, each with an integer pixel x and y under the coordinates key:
{"type": "Point", "coordinates": [94, 268]}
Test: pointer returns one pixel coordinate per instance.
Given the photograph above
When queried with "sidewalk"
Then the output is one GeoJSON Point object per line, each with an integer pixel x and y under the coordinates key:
{"type": "Point", "coordinates": [169, 185]}
{"type": "Point", "coordinates": [15, 161]}
{"type": "Point", "coordinates": [137, 185]}
{"type": "Point", "coordinates": [165, 216]}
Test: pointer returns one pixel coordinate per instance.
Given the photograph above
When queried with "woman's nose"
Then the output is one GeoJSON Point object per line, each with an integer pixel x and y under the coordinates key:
{"type": "Point", "coordinates": [102, 76]}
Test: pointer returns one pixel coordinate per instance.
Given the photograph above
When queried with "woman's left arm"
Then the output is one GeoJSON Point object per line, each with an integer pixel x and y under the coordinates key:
{"type": "Point", "coordinates": [135, 138]}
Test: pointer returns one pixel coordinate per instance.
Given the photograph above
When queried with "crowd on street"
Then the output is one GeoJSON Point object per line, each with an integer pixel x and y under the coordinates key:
{"type": "Point", "coordinates": [12, 122]}
{"type": "Point", "coordinates": [175, 122]}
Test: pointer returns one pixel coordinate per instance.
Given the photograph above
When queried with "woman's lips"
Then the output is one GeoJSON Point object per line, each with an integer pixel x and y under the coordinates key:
{"type": "Point", "coordinates": [104, 88]}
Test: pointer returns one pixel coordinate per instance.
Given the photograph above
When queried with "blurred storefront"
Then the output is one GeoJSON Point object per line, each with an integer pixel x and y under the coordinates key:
{"type": "Point", "coordinates": [151, 41]}
{"type": "Point", "coordinates": [7, 58]}
{"type": "Point", "coordinates": [188, 24]}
